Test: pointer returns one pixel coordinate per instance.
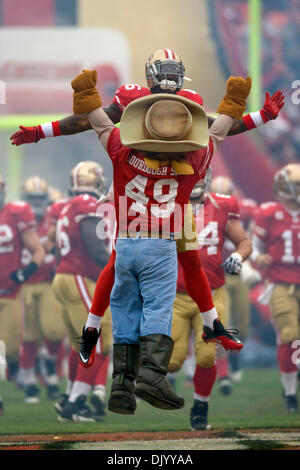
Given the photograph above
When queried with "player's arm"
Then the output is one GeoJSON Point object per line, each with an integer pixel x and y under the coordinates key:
{"type": "Point", "coordinates": [49, 244]}
{"type": "Point", "coordinates": [95, 247]}
{"type": "Point", "coordinates": [69, 125]}
{"type": "Point", "coordinates": [243, 246]}
{"type": "Point", "coordinates": [270, 111]}
{"type": "Point", "coordinates": [32, 243]}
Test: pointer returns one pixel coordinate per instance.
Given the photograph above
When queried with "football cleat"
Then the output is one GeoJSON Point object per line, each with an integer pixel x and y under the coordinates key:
{"type": "Point", "coordinates": [32, 394]}
{"type": "Point", "coordinates": [290, 403]}
{"type": "Point", "coordinates": [221, 336]}
{"type": "Point", "coordinates": [88, 343]}
{"type": "Point", "coordinates": [198, 416]}
{"type": "Point", "coordinates": [78, 412]}
{"type": "Point", "coordinates": [53, 392]}
{"type": "Point", "coordinates": [98, 400]}
{"type": "Point", "coordinates": [225, 386]}
{"type": "Point", "coordinates": [61, 402]}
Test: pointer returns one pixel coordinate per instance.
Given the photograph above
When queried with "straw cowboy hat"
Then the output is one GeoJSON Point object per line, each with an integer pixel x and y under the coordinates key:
{"type": "Point", "coordinates": [164, 123]}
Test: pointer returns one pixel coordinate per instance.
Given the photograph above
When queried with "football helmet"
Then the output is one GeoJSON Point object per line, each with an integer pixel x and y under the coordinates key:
{"type": "Point", "coordinates": [35, 192]}
{"type": "Point", "coordinates": [87, 177]}
{"type": "Point", "coordinates": [2, 191]}
{"type": "Point", "coordinates": [202, 186]}
{"type": "Point", "coordinates": [286, 183]}
{"type": "Point", "coordinates": [165, 72]}
{"type": "Point", "coordinates": [222, 185]}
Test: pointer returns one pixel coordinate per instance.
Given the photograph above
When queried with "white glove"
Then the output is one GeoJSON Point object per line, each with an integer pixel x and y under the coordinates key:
{"type": "Point", "coordinates": [233, 264]}
{"type": "Point", "coordinates": [249, 275]}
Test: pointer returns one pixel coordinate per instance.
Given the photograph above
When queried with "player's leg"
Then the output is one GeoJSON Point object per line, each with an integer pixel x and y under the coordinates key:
{"type": "Point", "coordinates": [126, 309]}
{"type": "Point", "coordinates": [98, 398]}
{"type": "Point", "coordinates": [206, 370]}
{"type": "Point", "coordinates": [75, 294]}
{"type": "Point", "coordinates": [157, 270]}
{"type": "Point", "coordinates": [53, 330]}
{"type": "Point", "coordinates": [183, 308]}
{"type": "Point", "coordinates": [100, 304]}
{"type": "Point", "coordinates": [239, 317]}
{"type": "Point", "coordinates": [197, 285]}
{"type": "Point", "coordinates": [285, 311]}
{"type": "Point", "coordinates": [11, 332]}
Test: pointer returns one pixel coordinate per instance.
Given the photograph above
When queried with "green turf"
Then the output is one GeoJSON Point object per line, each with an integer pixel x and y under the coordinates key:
{"type": "Point", "coordinates": [255, 402]}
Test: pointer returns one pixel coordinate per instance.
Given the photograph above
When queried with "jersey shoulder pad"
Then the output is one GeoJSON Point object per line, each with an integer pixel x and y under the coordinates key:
{"type": "Point", "coordinates": [22, 213]}
{"type": "Point", "coordinates": [55, 209]}
{"type": "Point", "coordinates": [84, 203]}
{"type": "Point", "coordinates": [227, 203]}
{"type": "Point", "coordinates": [128, 93]}
{"type": "Point", "coordinates": [268, 208]}
{"type": "Point", "coordinates": [191, 95]}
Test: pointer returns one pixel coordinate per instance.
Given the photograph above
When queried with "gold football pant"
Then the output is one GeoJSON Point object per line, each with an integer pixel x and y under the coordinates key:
{"type": "Point", "coordinates": [186, 317]}
{"type": "Point", "coordinates": [43, 313]}
{"type": "Point", "coordinates": [237, 304]}
{"type": "Point", "coordinates": [284, 305]}
{"type": "Point", "coordinates": [188, 239]}
{"type": "Point", "coordinates": [75, 293]}
{"type": "Point", "coordinates": [11, 312]}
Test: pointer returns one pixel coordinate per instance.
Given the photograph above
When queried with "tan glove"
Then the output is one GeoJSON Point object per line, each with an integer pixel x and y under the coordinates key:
{"type": "Point", "coordinates": [234, 101]}
{"type": "Point", "coordinates": [85, 97]}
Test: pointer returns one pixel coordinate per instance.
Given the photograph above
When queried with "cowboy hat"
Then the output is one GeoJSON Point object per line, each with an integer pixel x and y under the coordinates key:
{"type": "Point", "coordinates": [164, 123]}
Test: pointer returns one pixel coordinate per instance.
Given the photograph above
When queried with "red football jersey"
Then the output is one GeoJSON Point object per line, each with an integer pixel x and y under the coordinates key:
{"type": "Point", "coordinates": [130, 92]}
{"type": "Point", "coordinates": [15, 218]}
{"type": "Point", "coordinates": [279, 231]}
{"type": "Point", "coordinates": [150, 200]}
{"type": "Point", "coordinates": [55, 209]}
{"type": "Point", "coordinates": [74, 257]}
{"type": "Point", "coordinates": [247, 211]}
{"type": "Point", "coordinates": [46, 270]}
{"type": "Point", "coordinates": [211, 221]}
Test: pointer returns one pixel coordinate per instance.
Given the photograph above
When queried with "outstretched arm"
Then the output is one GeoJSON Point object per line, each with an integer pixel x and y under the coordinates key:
{"type": "Point", "coordinates": [270, 111]}
{"type": "Point", "coordinates": [69, 125]}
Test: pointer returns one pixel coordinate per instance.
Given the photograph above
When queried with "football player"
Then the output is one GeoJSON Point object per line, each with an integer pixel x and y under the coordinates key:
{"type": "Point", "coordinates": [276, 251]}
{"type": "Point", "coordinates": [217, 218]}
{"type": "Point", "coordinates": [40, 326]}
{"type": "Point", "coordinates": [82, 255]}
{"type": "Point", "coordinates": [236, 289]}
{"type": "Point", "coordinates": [17, 231]}
{"type": "Point", "coordinates": [141, 315]}
{"type": "Point", "coordinates": [165, 73]}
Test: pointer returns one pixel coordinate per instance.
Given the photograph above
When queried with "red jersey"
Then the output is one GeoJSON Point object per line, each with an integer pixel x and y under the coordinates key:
{"type": "Point", "coordinates": [247, 211]}
{"type": "Point", "coordinates": [149, 200]}
{"type": "Point", "coordinates": [47, 269]}
{"type": "Point", "coordinates": [55, 209]}
{"type": "Point", "coordinates": [74, 257]}
{"type": "Point", "coordinates": [279, 231]}
{"type": "Point", "coordinates": [15, 218]}
{"type": "Point", "coordinates": [130, 92]}
{"type": "Point", "coordinates": [211, 222]}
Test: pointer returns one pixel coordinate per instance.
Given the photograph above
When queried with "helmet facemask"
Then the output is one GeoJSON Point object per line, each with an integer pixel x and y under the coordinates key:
{"type": "Point", "coordinates": [165, 76]}
{"type": "Point", "coordinates": [202, 187]}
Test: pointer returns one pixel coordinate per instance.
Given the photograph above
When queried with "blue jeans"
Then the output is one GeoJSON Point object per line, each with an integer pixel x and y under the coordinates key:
{"type": "Point", "coordinates": [144, 291]}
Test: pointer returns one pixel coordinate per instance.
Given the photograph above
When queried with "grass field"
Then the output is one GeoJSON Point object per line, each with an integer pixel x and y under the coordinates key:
{"type": "Point", "coordinates": [255, 402]}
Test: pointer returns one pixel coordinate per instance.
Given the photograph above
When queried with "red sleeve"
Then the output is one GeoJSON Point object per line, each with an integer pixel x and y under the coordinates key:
{"type": "Point", "coordinates": [191, 95]}
{"type": "Point", "coordinates": [234, 209]}
{"type": "Point", "coordinates": [86, 206]}
{"type": "Point", "coordinates": [23, 214]}
{"type": "Point", "coordinates": [128, 93]}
